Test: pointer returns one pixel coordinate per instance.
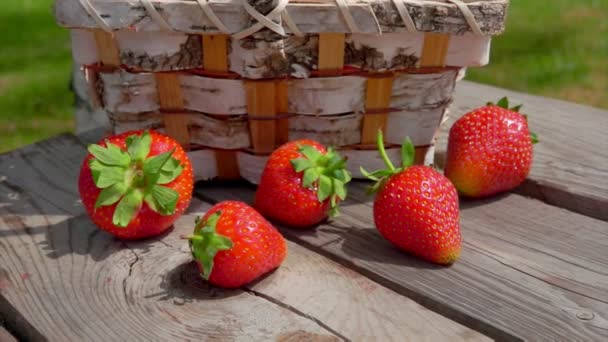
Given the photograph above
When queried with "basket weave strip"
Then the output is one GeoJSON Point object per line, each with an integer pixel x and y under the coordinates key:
{"type": "Point", "coordinates": [280, 12]}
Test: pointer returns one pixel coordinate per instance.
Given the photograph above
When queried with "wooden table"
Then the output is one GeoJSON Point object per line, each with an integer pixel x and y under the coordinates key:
{"type": "Point", "coordinates": [531, 268]}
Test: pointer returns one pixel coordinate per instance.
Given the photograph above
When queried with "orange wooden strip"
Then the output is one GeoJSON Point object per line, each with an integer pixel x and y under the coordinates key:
{"type": "Point", "coordinates": [170, 98]}
{"type": "Point", "coordinates": [331, 52]}
{"type": "Point", "coordinates": [107, 48]}
{"type": "Point", "coordinates": [261, 104]}
{"type": "Point", "coordinates": [215, 59]}
{"type": "Point", "coordinates": [215, 52]}
{"type": "Point", "coordinates": [227, 165]}
{"type": "Point", "coordinates": [169, 91]}
{"type": "Point", "coordinates": [282, 103]}
{"type": "Point", "coordinates": [435, 49]}
{"type": "Point", "coordinates": [378, 96]}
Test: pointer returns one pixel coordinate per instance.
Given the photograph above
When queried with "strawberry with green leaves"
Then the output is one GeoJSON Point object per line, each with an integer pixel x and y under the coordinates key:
{"type": "Point", "coordinates": [136, 184]}
{"type": "Point", "coordinates": [489, 150]}
{"type": "Point", "coordinates": [302, 183]}
{"type": "Point", "coordinates": [234, 245]}
{"type": "Point", "coordinates": [416, 207]}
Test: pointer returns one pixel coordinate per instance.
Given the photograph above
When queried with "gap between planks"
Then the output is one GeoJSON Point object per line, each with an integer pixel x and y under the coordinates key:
{"type": "Point", "coordinates": [69, 235]}
{"type": "Point", "coordinates": [547, 297]}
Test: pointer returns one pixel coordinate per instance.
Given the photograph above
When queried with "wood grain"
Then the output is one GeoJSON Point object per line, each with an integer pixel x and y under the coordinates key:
{"type": "Point", "coordinates": [71, 281]}
{"type": "Point", "coordinates": [528, 270]}
{"type": "Point", "coordinates": [5, 336]}
{"type": "Point", "coordinates": [352, 305]}
{"type": "Point", "coordinates": [569, 168]}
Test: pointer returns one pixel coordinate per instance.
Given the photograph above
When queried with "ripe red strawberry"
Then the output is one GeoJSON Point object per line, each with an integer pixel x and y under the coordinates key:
{"type": "Point", "coordinates": [489, 150]}
{"type": "Point", "coordinates": [416, 208]}
{"type": "Point", "coordinates": [233, 245]}
{"type": "Point", "coordinates": [136, 184]}
{"type": "Point", "coordinates": [302, 184]}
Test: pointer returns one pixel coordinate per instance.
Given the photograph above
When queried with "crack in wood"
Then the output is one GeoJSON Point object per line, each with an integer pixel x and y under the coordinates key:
{"type": "Point", "coordinates": [131, 265]}
{"type": "Point", "coordinates": [514, 267]}
{"type": "Point", "coordinates": [297, 312]}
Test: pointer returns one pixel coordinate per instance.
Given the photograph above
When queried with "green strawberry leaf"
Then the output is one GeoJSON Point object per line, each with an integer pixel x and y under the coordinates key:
{"type": "Point", "coordinates": [516, 108]}
{"type": "Point", "coordinates": [127, 208]}
{"type": "Point", "coordinates": [105, 176]}
{"type": "Point", "coordinates": [408, 153]}
{"type": "Point", "coordinates": [162, 200]}
{"type": "Point", "coordinates": [139, 146]}
{"type": "Point", "coordinates": [325, 188]}
{"type": "Point", "coordinates": [301, 164]}
{"type": "Point", "coordinates": [111, 155]}
{"type": "Point", "coordinates": [534, 138]}
{"type": "Point", "coordinates": [339, 188]}
{"type": "Point", "coordinates": [206, 242]}
{"type": "Point", "coordinates": [111, 195]}
{"type": "Point", "coordinates": [504, 103]}
{"type": "Point", "coordinates": [153, 165]}
{"type": "Point", "coordinates": [326, 170]}
{"type": "Point", "coordinates": [310, 177]}
{"type": "Point", "coordinates": [311, 153]}
{"type": "Point", "coordinates": [170, 171]}
{"type": "Point", "coordinates": [368, 175]}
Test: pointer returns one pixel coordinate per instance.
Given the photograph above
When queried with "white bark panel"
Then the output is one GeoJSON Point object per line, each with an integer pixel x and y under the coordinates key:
{"type": "Point", "coordinates": [251, 166]}
{"type": "Point", "coordinates": [84, 50]}
{"type": "Point", "coordinates": [468, 50]}
{"type": "Point", "coordinates": [423, 91]}
{"type": "Point", "coordinates": [129, 93]}
{"type": "Point", "coordinates": [213, 95]}
{"type": "Point", "coordinates": [204, 165]}
{"type": "Point", "coordinates": [212, 132]}
{"type": "Point", "coordinates": [420, 126]}
{"type": "Point", "coordinates": [327, 95]}
{"type": "Point", "coordinates": [328, 130]}
{"type": "Point", "coordinates": [371, 16]}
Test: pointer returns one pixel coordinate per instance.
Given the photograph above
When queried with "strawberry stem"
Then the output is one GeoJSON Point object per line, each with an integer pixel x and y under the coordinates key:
{"type": "Point", "coordinates": [382, 150]}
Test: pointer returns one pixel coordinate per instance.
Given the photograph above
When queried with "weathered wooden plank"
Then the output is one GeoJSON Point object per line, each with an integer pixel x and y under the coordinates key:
{"type": "Point", "coordinates": [72, 281]}
{"type": "Point", "coordinates": [569, 168]}
{"type": "Point", "coordinates": [345, 302]}
{"type": "Point", "coordinates": [5, 336]}
{"type": "Point", "coordinates": [528, 270]}
{"type": "Point", "coordinates": [353, 305]}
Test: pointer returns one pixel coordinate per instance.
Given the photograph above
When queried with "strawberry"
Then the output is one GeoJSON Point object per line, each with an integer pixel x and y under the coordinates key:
{"type": "Point", "coordinates": [416, 208]}
{"type": "Point", "coordinates": [136, 184]}
{"type": "Point", "coordinates": [233, 245]}
{"type": "Point", "coordinates": [302, 184]}
{"type": "Point", "coordinates": [489, 150]}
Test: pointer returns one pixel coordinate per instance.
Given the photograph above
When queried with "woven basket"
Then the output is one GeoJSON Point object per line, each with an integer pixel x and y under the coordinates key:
{"type": "Point", "coordinates": [232, 80]}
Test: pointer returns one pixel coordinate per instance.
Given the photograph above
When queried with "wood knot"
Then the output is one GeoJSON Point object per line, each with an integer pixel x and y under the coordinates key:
{"type": "Point", "coordinates": [585, 315]}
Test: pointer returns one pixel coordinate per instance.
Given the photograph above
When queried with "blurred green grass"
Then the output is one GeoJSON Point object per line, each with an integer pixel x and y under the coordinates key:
{"type": "Point", "coordinates": [556, 48]}
{"type": "Point", "coordinates": [35, 101]}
